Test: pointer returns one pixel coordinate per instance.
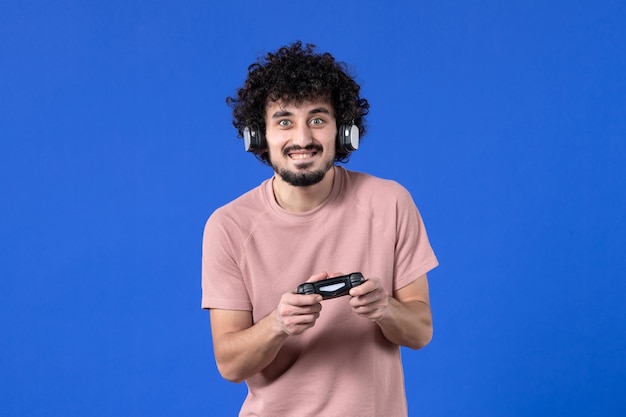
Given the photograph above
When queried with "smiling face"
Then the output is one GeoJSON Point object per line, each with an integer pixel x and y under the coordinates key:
{"type": "Point", "coordinates": [301, 140]}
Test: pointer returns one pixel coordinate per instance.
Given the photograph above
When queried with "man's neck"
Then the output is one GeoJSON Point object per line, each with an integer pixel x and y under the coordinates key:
{"type": "Point", "coordinates": [302, 199]}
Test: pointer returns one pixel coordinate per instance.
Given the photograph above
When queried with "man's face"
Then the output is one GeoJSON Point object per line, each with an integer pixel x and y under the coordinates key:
{"type": "Point", "coordinates": [301, 140]}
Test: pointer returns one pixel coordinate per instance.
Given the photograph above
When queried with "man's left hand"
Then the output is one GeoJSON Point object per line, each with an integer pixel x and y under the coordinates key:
{"type": "Point", "coordinates": [370, 299]}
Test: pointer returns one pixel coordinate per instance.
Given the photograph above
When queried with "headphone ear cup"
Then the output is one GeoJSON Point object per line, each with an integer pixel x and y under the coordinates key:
{"type": "Point", "coordinates": [348, 138]}
{"type": "Point", "coordinates": [253, 140]}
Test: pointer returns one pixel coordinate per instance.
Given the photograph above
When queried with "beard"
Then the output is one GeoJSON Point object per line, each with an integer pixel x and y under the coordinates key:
{"type": "Point", "coordinates": [303, 178]}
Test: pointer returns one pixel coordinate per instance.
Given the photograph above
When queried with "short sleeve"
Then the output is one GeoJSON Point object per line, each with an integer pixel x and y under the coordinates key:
{"type": "Point", "coordinates": [223, 286]}
{"type": "Point", "coordinates": [414, 254]}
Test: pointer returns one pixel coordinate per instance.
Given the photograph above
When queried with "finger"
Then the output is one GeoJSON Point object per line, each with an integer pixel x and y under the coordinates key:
{"type": "Point", "coordinates": [373, 315]}
{"type": "Point", "coordinates": [300, 300]}
{"type": "Point", "coordinates": [300, 319]}
{"type": "Point", "coordinates": [318, 277]}
{"type": "Point", "coordinates": [360, 301]}
{"type": "Point", "coordinates": [290, 316]}
{"type": "Point", "coordinates": [365, 288]}
{"type": "Point", "coordinates": [372, 298]}
{"type": "Point", "coordinates": [298, 324]}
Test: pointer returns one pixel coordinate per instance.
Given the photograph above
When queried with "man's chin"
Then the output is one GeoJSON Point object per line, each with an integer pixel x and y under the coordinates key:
{"type": "Point", "coordinates": [301, 178]}
{"type": "Point", "coordinates": [301, 165]}
{"type": "Point", "coordinates": [302, 173]}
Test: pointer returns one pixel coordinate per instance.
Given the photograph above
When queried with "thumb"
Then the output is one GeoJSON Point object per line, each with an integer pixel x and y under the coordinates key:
{"type": "Point", "coordinates": [318, 277]}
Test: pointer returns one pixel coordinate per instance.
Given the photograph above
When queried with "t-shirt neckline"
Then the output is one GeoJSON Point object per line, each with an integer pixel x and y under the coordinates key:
{"type": "Point", "coordinates": [307, 215]}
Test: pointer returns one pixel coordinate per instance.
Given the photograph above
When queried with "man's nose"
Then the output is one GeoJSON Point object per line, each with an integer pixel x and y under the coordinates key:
{"type": "Point", "coordinates": [302, 136]}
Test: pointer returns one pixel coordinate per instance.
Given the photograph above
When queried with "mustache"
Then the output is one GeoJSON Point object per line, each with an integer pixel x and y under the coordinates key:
{"type": "Point", "coordinates": [311, 147]}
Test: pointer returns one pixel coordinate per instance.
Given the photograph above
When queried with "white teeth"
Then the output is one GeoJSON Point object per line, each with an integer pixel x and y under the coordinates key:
{"type": "Point", "coordinates": [301, 156]}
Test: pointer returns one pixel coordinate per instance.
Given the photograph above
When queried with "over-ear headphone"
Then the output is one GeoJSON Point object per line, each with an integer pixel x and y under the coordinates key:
{"type": "Point", "coordinates": [253, 140]}
{"type": "Point", "coordinates": [347, 138]}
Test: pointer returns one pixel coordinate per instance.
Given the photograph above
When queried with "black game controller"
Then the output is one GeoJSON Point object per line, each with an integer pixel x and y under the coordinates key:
{"type": "Point", "coordinates": [332, 287]}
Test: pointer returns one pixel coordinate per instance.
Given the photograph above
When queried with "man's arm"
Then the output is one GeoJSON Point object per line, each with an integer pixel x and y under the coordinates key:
{"type": "Point", "coordinates": [405, 319]}
{"type": "Point", "coordinates": [242, 349]}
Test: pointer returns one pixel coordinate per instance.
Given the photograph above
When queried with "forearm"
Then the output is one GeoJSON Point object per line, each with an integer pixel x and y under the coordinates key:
{"type": "Point", "coordinates": [247, 352]}
{"type": "Point", "coordinates": [407, 323]}
{"type": "Point", "coordinates": [243, 349]}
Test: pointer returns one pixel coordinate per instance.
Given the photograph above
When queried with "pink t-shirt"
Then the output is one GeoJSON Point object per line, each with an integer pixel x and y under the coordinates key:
{"type": "Point", "coordinates": [254, 251]}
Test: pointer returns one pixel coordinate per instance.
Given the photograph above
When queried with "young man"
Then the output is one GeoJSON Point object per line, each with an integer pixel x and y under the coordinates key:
{"type": "Point", "coordinates": [300, 355]}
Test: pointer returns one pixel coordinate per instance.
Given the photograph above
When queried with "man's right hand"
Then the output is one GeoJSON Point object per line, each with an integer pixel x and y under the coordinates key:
{"type": "Point", "coordinates": [298, 312]}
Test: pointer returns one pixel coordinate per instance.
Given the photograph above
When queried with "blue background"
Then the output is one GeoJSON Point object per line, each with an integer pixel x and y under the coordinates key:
{"type": "Point", "coordinates": [505, 120]}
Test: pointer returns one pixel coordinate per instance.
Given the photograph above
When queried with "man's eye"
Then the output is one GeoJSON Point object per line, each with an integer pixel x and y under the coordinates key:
{"type": "Point", "coordinates": [317, 121]}
{"type": "Point", "coordinates": [284, 123]}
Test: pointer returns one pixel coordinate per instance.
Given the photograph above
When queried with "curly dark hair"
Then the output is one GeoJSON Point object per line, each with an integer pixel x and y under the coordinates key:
{"type": "Point", "coordinates": [296, 74]}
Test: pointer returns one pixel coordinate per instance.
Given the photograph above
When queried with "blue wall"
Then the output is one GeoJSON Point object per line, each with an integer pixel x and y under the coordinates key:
{"type": "Point", "coordinates": [506, 121]}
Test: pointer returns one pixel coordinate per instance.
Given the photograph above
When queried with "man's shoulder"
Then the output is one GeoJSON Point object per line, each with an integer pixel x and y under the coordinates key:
{"type": "Point", "coordinates": [246, 206]}
{"type": "Point", "coordinates": [362, 185]}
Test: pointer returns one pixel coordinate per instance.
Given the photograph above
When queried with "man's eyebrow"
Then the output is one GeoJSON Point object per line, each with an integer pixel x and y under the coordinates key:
{"type": "Point", "coordinates": [281, 113]}
{"type": "Point", "coordinates": [320, 110]}
{"type": "Point", "coordinates": [286, 113]}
